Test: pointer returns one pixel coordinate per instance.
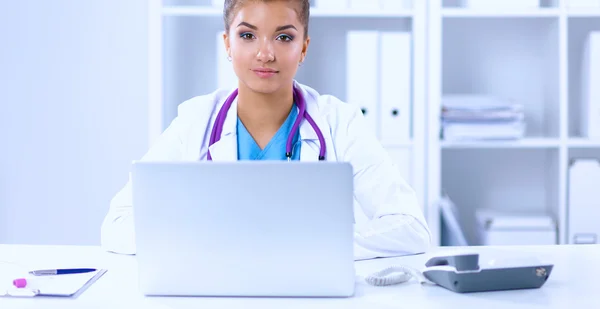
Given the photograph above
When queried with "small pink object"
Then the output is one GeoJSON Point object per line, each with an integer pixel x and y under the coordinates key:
{"type": "Point", "coordinates": [20, 283]}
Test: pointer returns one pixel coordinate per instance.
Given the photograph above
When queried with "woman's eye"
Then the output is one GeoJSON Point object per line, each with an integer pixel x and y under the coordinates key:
{"type": "Point", "coordinates": [285, 38]}
{"type": "Point", "coordinates": [246, 36]}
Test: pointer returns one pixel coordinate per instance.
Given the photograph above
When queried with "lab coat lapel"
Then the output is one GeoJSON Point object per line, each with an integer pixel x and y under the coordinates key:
{"type": "Point", "coordinates": [226, 148]}
{"type": "Point", "coordinates": [310, 146]}
{"type": "Point", "coordinates": [309, 150]}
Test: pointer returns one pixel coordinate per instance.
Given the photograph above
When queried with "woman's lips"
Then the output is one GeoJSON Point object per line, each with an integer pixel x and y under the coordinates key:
{"type": "Point", "coordinates": [264, 73]}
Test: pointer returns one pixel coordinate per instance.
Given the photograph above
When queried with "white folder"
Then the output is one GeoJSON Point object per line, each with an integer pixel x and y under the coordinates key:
{"type": "Point", "coordinates": [363, 4]}
{"type": "Point", "coordinates": [583, 197]}
{"type": "Point", "coordinates": [583, 3]}
{"type": "Point", "coordinates": [590, 89]}
{"type": "Point", "coordinates": [402, 158]}
{"type": "Point", "coordinates": [226, 77]}
{"type": "Point", "coordinates": [395, 87]}
{"type": "Point", "coordinates": [331, 4]}
{"type": "Point", "coordinates": [362, 74]}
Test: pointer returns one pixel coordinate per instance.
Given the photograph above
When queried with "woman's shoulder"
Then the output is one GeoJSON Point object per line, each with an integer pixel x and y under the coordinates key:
{"type": "Point", "coordinates": [202, 105]}
{"type": "Point", "coordinates": [331, 106]}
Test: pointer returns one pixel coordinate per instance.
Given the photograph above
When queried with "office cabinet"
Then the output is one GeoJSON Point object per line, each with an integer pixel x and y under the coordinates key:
{"type": "Point", "coordinates": [529, 55]}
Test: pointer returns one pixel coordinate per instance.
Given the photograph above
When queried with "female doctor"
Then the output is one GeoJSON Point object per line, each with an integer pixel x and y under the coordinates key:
{"type": "Point", "coordinates": [270, 116]}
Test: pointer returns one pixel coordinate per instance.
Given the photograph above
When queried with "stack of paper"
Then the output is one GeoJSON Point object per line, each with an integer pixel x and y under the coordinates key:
{"type": "Point", "coordinates": [479, 117]}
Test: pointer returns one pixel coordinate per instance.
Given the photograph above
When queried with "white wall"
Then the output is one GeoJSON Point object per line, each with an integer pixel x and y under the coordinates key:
{"type": "Point", "coordinates": [73, 114]}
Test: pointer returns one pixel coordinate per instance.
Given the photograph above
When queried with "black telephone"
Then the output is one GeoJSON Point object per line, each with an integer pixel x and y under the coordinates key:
{"type": "Point", "coordinates": [462, 274]}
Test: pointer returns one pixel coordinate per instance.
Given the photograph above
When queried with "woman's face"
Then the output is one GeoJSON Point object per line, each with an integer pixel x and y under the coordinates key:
{"type": "Point", "coordinates": [266, 44]}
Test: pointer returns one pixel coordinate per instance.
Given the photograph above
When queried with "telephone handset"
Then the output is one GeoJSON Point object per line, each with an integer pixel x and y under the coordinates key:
{"type": "Point", "coordinates": [463, 274]}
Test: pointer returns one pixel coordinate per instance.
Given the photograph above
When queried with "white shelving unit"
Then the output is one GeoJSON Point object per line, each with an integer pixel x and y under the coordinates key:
{"type": "Point", "coordinates": [530, 55]}
{"type": "Point", "coordinates": [183, 54]}
{"type": "Point", "coordinates": [475, 51]}
{"type": "Point", "coordinates": [204, 10]}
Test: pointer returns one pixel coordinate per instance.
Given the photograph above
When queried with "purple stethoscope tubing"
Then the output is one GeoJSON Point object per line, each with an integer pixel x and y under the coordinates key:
{"type": "Point", "coordinates": [217, 129]}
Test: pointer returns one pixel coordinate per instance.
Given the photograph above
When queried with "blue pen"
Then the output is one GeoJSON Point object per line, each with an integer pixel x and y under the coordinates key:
{"type": "Point", "coordinates": [52, 272]}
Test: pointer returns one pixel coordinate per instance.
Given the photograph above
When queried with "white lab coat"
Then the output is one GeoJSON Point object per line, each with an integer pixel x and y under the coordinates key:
{"type": "Point", "coordinates": [389, 221]}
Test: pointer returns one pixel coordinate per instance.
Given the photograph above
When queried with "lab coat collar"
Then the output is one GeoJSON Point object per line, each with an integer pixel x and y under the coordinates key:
{"type": "Point", "coordinates": [226, 148]}
{"type": "Point", "coordinates": [311, 146]}
{"type": "Point", "coordinates": [306, 130]}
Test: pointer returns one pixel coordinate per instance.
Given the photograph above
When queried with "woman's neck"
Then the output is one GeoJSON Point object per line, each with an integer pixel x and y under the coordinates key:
{"type": "Point", "coordinates": [264, 113]}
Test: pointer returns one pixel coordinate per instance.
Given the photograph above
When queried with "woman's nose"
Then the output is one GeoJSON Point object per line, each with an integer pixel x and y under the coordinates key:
{"type": "Point", "coordinates": [265, 51]}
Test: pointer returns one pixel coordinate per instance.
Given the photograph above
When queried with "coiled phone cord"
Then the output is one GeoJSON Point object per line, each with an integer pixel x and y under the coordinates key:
{"type": "Point", "coordinates": [395, 275]}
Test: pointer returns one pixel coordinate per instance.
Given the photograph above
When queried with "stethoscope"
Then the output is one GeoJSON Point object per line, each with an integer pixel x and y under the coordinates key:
{"type": "Point", "coordinates": [217, 129]}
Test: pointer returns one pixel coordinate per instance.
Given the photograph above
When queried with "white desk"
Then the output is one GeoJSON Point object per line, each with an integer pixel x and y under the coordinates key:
{"type": "Point", "coordinates": [573, 283]}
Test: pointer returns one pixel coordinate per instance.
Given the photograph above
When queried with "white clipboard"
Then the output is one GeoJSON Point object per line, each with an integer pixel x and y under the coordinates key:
{"type": "Point", "coordinates": [71, 285]}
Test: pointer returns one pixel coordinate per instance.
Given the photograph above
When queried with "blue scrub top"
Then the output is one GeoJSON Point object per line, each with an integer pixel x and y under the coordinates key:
{"type": "Point", "coordinates": [248, 149]}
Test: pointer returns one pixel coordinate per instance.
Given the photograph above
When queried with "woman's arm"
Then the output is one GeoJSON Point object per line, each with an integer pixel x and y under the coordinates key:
{"type": "Point", "coordinates": [117, 232]}
{"type": "Point", "coordinates": [395, 225]}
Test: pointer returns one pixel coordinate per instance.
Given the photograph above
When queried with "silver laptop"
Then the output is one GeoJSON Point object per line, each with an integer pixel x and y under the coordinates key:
{"type": "Point", "coordinates": [247, 228]}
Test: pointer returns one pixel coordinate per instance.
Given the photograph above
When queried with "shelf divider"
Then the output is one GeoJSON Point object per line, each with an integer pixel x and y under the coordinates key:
{"type": "Point", "coordinates": [478, 13]}
{"type": "Point", "coordinates": [209, 11]}
{"type": "Point", "coordinates": [525, 143]}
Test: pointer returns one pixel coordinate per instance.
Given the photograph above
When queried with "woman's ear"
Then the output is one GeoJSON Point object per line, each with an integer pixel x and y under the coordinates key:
{"type": "Point", "coordinates": [305, 48]}
{"type": "Point", "coordinates": [227, 43]}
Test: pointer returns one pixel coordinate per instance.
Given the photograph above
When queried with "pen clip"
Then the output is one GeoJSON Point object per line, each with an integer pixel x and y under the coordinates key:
{"type": "Point", "coordinates": [43, 272]}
